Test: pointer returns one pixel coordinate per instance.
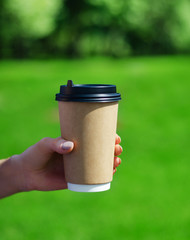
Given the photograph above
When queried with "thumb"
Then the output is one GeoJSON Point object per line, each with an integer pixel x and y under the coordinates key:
{"type": "Point", "coordinates": [63, 146]}
{"type": "Point", "coordinates": [58, 145]}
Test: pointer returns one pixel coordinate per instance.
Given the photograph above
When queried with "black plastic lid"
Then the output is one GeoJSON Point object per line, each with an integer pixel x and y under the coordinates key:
{"type": "Point", "coordinates": [88, 93]}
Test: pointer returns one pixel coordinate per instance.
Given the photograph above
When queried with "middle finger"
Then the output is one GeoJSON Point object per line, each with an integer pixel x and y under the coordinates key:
{"type": "Point", "coordinates": [118, 149]}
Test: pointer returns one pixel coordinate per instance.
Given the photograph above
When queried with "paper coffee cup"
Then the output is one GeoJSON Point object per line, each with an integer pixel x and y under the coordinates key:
{"type": "Point", "coordinates": [88, 117]}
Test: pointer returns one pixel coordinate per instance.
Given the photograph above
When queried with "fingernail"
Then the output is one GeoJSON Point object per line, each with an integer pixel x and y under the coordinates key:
{"type": "Point", "coordinates": [67, 145]}
{"type": "Point", "coordinates": [118, 161]}
{"type": "Point", "coordinates": [121, 148]}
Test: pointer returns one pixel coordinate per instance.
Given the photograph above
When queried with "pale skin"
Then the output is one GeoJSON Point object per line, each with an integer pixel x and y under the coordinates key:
{"type": "Point", "coordinates": [40, 167]}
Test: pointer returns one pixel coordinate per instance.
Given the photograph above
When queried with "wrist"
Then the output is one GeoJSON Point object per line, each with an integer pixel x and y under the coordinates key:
{"type": "Point", "coordinates": [10, 176]}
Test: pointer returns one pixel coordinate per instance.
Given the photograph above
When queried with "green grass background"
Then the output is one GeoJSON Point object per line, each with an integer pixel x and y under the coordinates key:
{"type": "Point", "coordinates": [150, 194]}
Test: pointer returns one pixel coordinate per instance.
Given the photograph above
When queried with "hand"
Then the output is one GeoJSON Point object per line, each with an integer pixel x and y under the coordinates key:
{"type": "Point", "coordinates": [118, 151]}
{"type": "Point", "coordinates": [41, 168]}
{"type": "Point", "coordinates": [41, 165]}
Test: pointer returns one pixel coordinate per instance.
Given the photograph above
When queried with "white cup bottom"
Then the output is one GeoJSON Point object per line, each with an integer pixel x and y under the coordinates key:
{"type": "Point", "coordinates": [89, 188]}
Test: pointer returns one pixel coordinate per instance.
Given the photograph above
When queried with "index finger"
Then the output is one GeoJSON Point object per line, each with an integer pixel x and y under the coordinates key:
{"type": "Point", "coordinates": [117, 139]}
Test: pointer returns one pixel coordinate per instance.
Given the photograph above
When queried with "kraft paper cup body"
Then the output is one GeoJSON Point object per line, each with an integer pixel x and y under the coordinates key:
{"type": "Point", "coordinates": [92, 128]}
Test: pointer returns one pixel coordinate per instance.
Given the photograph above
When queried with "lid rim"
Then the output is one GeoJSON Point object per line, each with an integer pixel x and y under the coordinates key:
{"type": "Point", "coordinates": [88, 100]}
{"type": "Point", "coordinates": [112, 95]}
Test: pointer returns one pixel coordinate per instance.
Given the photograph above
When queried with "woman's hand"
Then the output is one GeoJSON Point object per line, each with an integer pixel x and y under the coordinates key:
{"type": "Point", "coordinates": [40, 167]}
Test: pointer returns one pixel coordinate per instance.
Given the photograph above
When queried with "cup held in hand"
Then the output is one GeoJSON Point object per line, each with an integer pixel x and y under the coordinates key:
{"type": "Point", "coordinates": [88, 117]}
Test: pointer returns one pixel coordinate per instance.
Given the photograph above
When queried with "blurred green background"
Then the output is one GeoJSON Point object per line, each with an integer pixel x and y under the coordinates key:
{"type": "Point", "coordinates": [57, 28]}
{"type": "Point", "coordinates": [142, 47]}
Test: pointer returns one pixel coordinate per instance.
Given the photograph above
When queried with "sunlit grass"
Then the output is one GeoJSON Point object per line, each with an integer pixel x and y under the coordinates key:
{"type": "Point", "coordinates": [149, 198]}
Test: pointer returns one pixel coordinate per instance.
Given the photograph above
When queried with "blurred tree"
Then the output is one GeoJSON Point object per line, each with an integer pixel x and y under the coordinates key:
{"type": "Point", "coordinates": [2, 4]}
{"type": "Point", "coordinates": [24, 22]}
{"type": "Point", "coordinates": [36, 19]}
{"type": "Point", "coordinates": [180, 27]}
{"type": "Point", "coordinates": [7, 32]}
{"type": "Point", "coordinates": [71, 28]}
